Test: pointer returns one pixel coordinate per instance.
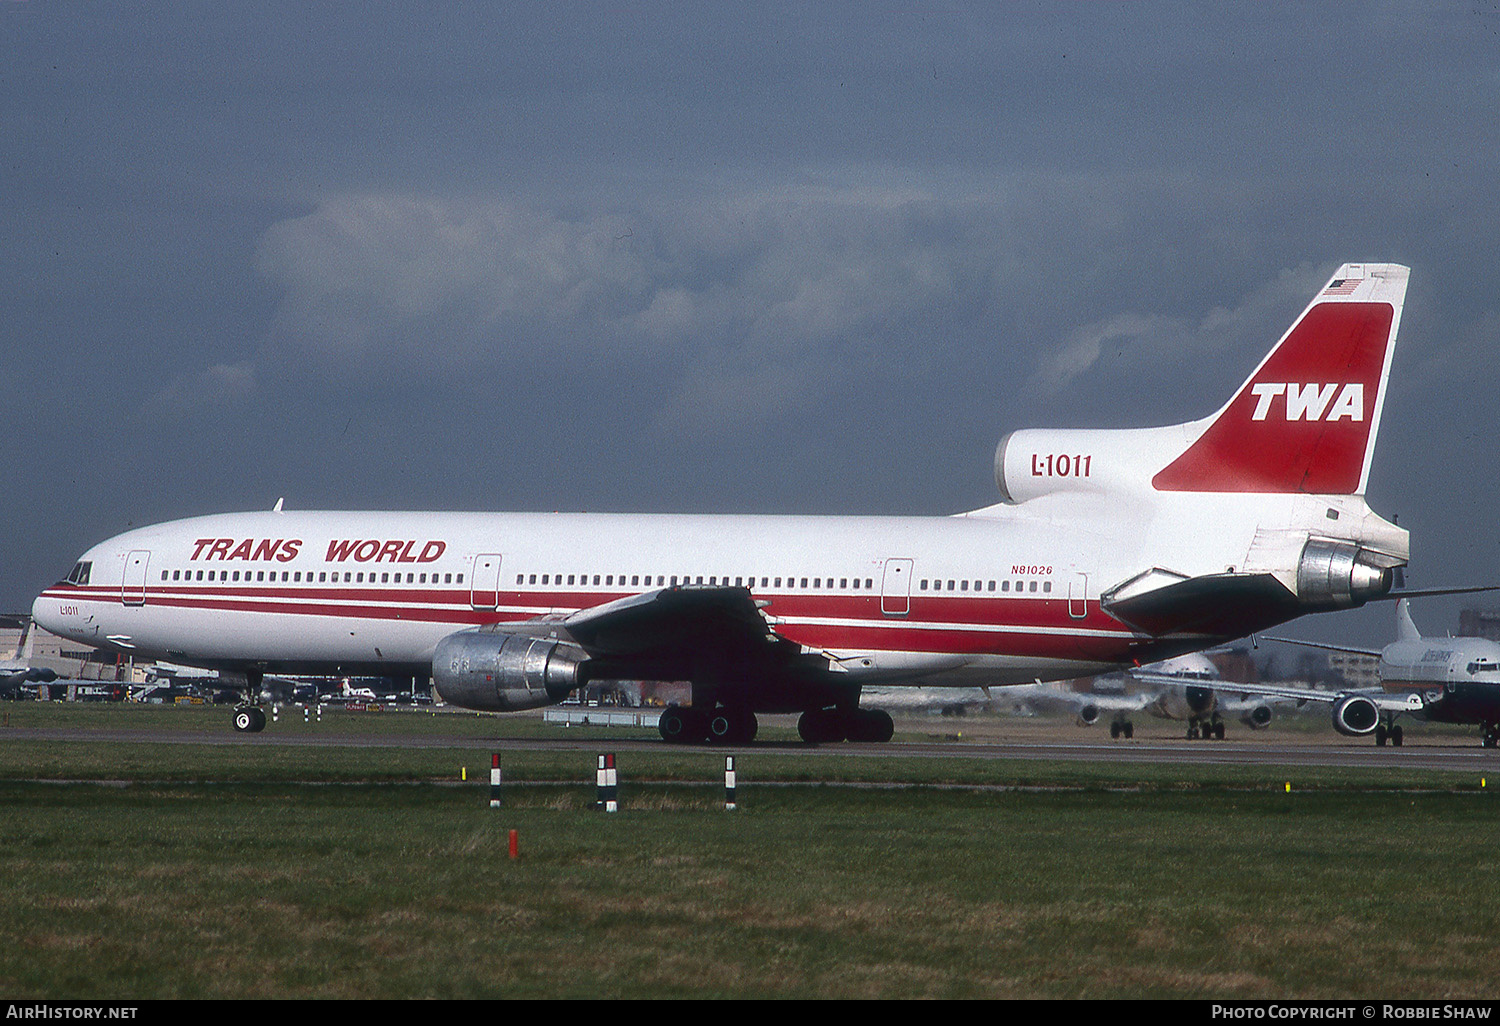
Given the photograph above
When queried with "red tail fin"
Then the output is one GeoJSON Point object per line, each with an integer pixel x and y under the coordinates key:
{"type": "Point", "coordinates": [1306, 420]}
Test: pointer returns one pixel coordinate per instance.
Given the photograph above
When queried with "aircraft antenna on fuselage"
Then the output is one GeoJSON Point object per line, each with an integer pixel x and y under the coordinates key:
{"type": "Point", "coordinates": [277, 508]}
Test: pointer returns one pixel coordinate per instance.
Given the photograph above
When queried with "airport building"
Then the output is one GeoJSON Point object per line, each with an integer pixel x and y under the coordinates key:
{"type": "Point", "coordinates": [1357, 669]}
{"type": "Point", "coordinates": [23, 642]}
{"type": "Point", "coordinates": [1479, 623]}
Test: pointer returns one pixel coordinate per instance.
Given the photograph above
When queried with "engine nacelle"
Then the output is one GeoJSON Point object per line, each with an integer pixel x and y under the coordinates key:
{"type": "Point", "coordinates": [1257, 718]}
{"type": "Point", "coordinates": [1355, 716]}
{"type": "Point", "coordinates": [485, 669]}
{"type": "Point", "coordinates": [1339, 575]}
{"type": "Point", "coordinates": [1088, 714]}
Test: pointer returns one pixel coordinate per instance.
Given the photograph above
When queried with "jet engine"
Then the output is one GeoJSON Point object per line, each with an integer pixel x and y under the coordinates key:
{"type": "Point", "coordinates": [1340, 575]}
{"type": "Point", "coordinates": [485, 669]}
{"type": "Point", "coordinates": [1088, 714]}
{"type": "Point", "coordinates": [1257, 717]}
{"type": "Point", "coordinates": [1355, 716]}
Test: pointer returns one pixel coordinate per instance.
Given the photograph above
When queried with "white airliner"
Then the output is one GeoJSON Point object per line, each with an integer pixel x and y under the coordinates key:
{"type": "Point", "coordinates": [1184, 689]}
{"type": "Point", "coordinates": [1441, 680]}
{"type": "Point", "coordinates": [1110, 548]}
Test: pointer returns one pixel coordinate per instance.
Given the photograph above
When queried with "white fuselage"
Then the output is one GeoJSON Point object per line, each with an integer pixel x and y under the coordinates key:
{"type": "Point", "coordinates": [1007, 594]}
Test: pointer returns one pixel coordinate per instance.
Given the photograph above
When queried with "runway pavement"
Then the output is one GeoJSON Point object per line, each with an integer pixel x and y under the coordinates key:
{"type": "Point", "coordinates": [970, 738]}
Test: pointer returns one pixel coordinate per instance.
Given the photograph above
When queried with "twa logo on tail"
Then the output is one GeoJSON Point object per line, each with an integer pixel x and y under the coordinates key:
{"type": "Point", "coordinates": [1305, 420]}
{"type": "Point", "coordinates": [1307, 402]}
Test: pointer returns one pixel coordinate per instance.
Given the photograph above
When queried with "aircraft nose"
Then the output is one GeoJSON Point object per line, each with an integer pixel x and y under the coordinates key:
{"type": "Point", "coordinates": [47, 613]}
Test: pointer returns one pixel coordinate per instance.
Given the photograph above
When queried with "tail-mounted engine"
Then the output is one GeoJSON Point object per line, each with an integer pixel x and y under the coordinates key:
{"type": "Point", "coordinates": [485, 669]}
{"type": "Point", "coordinates": [1340, 575]}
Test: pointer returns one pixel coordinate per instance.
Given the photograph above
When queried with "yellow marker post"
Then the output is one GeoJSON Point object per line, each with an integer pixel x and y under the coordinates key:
{"type": "Point", "coordinates": [1288, 787]}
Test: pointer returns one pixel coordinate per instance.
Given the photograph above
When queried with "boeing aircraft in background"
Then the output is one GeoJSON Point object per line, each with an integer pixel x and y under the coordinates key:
{"type": "Point", "coordinates": [1186, 689]}
{"type": "Point", "coordinates": [1442, 680]}
{"type": "Point", "coordinates": [1109, 548]}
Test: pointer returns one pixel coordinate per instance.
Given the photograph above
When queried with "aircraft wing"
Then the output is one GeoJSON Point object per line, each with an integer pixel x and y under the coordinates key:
{"type": "Point", "coordinates": [671, 620]}
{"type": "Point", "coordinates": [1048, 695]}
{"type": "Point", "coordinates": [1384, 700]}
{"type": "Point", "coordinates": [1323, 645]}
{"type": "Point", "coordinates": [672, 630]}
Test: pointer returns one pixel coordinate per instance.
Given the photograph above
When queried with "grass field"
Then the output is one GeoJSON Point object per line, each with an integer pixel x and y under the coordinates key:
{"type": "Point", "coordinates": [264, 870]}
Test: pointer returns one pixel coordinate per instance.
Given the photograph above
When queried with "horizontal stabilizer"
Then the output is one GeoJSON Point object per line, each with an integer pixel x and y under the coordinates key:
{"type": "Point", "coordinates": [1222, 605]}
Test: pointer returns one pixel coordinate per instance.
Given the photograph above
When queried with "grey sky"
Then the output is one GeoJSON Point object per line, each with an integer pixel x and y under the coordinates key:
{"type": "Point", "coordinates": [801, 258]}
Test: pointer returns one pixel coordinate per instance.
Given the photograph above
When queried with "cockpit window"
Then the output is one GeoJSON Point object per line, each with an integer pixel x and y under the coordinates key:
{"type": "Point", "coordinates": [81, 571]}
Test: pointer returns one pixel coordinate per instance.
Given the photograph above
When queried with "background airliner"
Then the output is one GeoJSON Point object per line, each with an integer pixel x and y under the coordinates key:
{"type": "Point", "coordinates": [1183, 689]}
{"type": "Point", "coordinates": [1442, 680]}
{"type": "Point", "coordinates": [1110, 548]}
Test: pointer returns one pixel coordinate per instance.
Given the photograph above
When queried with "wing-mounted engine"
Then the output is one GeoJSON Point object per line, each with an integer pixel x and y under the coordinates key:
{"type": "Point", "coordinates": [1355, 715]}
{"type": "Point", "coordinates": [492, 670]}
{"type": "Point", "coordinates": [1257, 717]}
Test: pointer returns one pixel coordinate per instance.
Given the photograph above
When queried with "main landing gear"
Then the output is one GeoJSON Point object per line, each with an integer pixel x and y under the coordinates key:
{"type": "Point", "coordinates": [1387, 731]}
{"type": "Point", "coordinates": [817, 726]}
{"type": "Point", "coordinates": [1121, 728]}
{"type": "Point", "coordinates": [728, 725]}
{"type": "Point", "coordinates": [722, 725]}
{"type": "Point", "coordinates": [1489, 734]}
{"type": "Point", "coordinates": [1207, 730]}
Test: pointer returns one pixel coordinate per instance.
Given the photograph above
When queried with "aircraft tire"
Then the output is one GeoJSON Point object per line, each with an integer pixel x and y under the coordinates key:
{"type": "Point", "coordinates": [870, 725]}
{"type": "Point", "coordinates": [732, 726]}
{"type": "Point", "coordinates": [1396, 736]}
{"type": "Point", "coordinates": [249, 720]}
{"type": "Point", "coordinates": [819, 726]}
{"type": "Point", "coordinates": [673, 725]}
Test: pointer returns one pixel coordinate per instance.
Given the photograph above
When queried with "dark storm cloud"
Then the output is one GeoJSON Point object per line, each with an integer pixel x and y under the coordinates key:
{"type": "Point", "coordinates": [769, 258]}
